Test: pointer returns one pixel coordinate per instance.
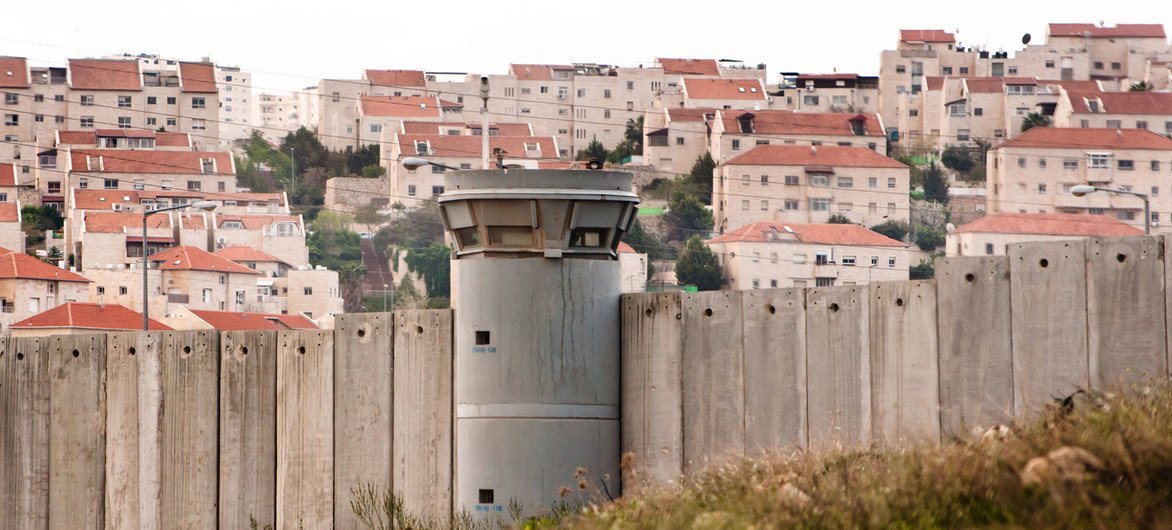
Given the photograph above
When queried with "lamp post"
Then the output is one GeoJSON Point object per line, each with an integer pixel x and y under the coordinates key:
{"type": "Point", "coordinates": [1082, 190]}
{"type": "Point", "coordinates": [413, 162]}
{"type": "Point", "coordinates": [206, 206]}
{"type": "Point", "coordinates": [385, 298]}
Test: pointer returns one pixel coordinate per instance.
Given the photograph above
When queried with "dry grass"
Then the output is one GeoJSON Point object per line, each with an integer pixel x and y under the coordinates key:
{"type": "Point", "coordinates": [1121, 478]}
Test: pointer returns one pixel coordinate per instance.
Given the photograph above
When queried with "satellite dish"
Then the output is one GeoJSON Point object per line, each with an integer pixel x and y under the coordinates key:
{"type": "Point", "coordinates": [1025, 39]}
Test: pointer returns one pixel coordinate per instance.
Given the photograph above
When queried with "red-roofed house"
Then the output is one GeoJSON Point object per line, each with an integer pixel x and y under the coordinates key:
{"type": "Point", "coordinates": [724, 93]}
{"type": "Point", "coordinates": [830, 93]}
{"type": "Point", "coordinates": [129, 169]}
{"type": "Point", "coordinates": [1115, 110]}
{"type": "Point", "coordinates": [808, 184]}
{"type": "Point", "coordinates": [455, 151]}
{"type": "Point", "coordinates": [79, 317]}
{"type": "Point", "coordinates": [397, 79]}
{"type": "Point", "coordinates": [197, 279]}
{"type": "Point", "coordinates": [770, 255]}
{"type": "Point", "coordinates": [281, 235]}
{"type": "Point", "coordinates": [29, 286]}
{"type": "Point", "coordinates": [381, 117]}
{"type": "Point", "coordinates": [992, 234]}
{"type": "Point", "coordinates": [689, 67]}
{"type": "Point", "coordinates": [13, 72]}
{"type": "Point", "coordinates": [11, 232]}
{"type": "Point", "coordinates": [197, 77]}
{"type": "Point", "coordinates": [187, 319]}
{"type": "Point", "coordinates": [123, 139]}
{"type": "Point", "coordinates": [1035, 171]}
{"type": "Point", "coordinates": [9, 182]}
{"type": "Point", "coordinates": [113, 239]}
{"type": "Point", "coordinates": [956, 110]}
{"type": "Point", "coordinates": [737, 131]}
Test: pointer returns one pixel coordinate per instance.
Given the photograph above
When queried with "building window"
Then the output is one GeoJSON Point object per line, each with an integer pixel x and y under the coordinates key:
{"type": "Point", "coordinates": [1114, 124]}
{"type": "Point", "coordinates": [1041, 189]}
{"type": "Point", "coordinates": [110, 184]}
{"type": "Point", "coordinates": [1116, 66]}
{"type": "Point", "coordinates": [890, 207]}
{"type": "Point", "coordinates": [823, 282]}
{"type": "Point", "coordinates": [848, 261]}
{"type": "Point", "coordinates": [736, 145]}
{"type": "Point", "coordinates": [1070, 163]}
{"type": "Point", "coordinates": [679, 140]}
{"type": "Point", "coordinates": [978, 111]}
{"type": "Point", "coordinates": [193, 185]}
{"type": "Point", "coordinates": [891, 262]}
{"type": "Point", "coordinates": [124, 102]}
{"type": "Point", "coordinates": [962, 135]}
{"type": "Point", "coordinates": [437, 190]}
{"type": "Point", "coordinates": [307, 290]}
{"type": "Point", "coordinates": [58, 119]}
{"type": "Point", "coordinates": [764, 206]}
{"type": "Point", "coordinates": [899, 69]}
{"type": "Point", "coordinates": [171, 122]}
{"type": "Point", "coordinates": [198, 103]}
{"type": "Point", "coordinates": [956, 109]}
{"type": "Point", "coordinates": [376, 128]}
{"type": "Point", "coordinates": [791, 180]}
{"type": "Point", "coordinates": [1042, 163]}
{"type": "Point", "coordinates": [11, 119]}
{"type": "Point", "coordinates": [989, 249]}
{"type": "Point", "coordinates": [1141, 124]}
{"type": "Point", "coordinates": [1021, 162]}
{"type": "Point", "coordinates": [87, 101]}
{"type": "Point", "coordinates": [1155, 165]}
{"type": "Point", "coordinates": [152, 121]}
{"type": "Point", "coordinates": [846, 182]}
{"type": "Point", "coordinates": [820, 205]}
{"type": "Point", "coordinates": [765, 179]}
{"type": "Point", "coordinates": [791, 205]}
{"type": "Point", "coordinates": [756, 283]}
{"type": "Point", "coordinates": [745, 205]}
{"type": "Point", "coordinates": [1126, 165]}
{"type": "Point", "coordinates": [198, 125]}
{"type": "Point", "coordinates": [872, 183]}
{"type": "Point", "coordinates": [124, 122]}
{"type": "Point", "coordinates": [411, 190]}
{"type": "Point", "coordinates": [891, 183]}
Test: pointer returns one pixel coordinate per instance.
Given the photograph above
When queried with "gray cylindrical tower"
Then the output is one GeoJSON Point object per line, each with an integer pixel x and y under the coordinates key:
{"type": "Point", "coordinates": [536, 287]}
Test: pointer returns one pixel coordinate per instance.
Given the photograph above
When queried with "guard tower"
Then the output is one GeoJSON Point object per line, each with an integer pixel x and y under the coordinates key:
{"type": "Point", "coordinates": [536, 287]}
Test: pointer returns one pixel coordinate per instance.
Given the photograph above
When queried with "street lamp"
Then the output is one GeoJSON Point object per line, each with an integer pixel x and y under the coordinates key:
{"type": "Point", "coordinates": [1083, 189]}
{"type": "Point", "coordinates": [385, 297]}
{"type": "Point", "coordinates": [412, 163]}
{"type": "Point", "coordinates": [206, 206]}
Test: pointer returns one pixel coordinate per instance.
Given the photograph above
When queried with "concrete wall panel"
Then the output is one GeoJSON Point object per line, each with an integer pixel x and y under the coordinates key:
{"type": "Point", "coordinates": [122, 430]}
{"type": "Point", "coordinates": [1126, 341]}
{"type": "Point", "coordinates": [1049, 313]}
{"type": "Point", "coordinates": [905, 386]}
{"type": "Point", "coordinates": [363, 411]}
{"type": "Point", "coordinates": [24, 432]}
{"type": "Point", "coordinates": [775, 369]}
{"type": "Point", "coordinates": [77, 433]}
{"type": "Point", "coordinates": [189, 379]}
{"type": "Point", "coordinates": [838, 367]}
{"type": "Point", "coordinates": [976, 357]}
{"type": "Point", "coordinates": [305, 420]}
{"type": "Point", "coordinates": [423, 411]}
{"type": "Point", "coordinates": [652, 402]}
{"type": "Point", "coordinates": [713, 383]}
{"type": "Point", "coordinates": [248, 428]}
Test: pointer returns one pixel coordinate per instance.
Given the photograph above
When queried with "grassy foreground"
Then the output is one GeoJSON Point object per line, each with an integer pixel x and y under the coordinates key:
{"type": "Point", "coordinates": [1106, 462]}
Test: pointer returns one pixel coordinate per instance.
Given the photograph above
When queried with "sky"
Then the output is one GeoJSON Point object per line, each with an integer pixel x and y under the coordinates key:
{"type": "Point", "coordinates": [289, 45]}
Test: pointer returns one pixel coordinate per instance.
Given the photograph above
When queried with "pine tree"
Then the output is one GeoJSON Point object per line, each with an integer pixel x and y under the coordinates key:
{"type": "Point", "coordinates": [698, 266]}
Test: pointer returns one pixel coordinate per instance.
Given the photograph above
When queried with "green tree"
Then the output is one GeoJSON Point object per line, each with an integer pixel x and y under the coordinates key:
{"type": "Point", "coordinates": [935, 184]}
{"type": "Point", "coordinates": [331, 243]}
{"type": "Point", "coordinates": [307, 151]}
{"type": "Point", "coordinates": [434, 264]}
{"type": "Point", "coordinates": [406, 295]}
{"type": "Point", "coordinates": [896, 230]}
{"type": "Point", "coordinates": [646, 243]}
{"type": "Point", "coordinates": [1142, 86]}
{"type": "Point", "coordinates": [414, 228]}
{"type": "Point", "coordinates": [594, 151]}
{"type": "Point", "coordinates": [373, 171]}
{"type": "Point", "coordinates": [633, 135]}
{"type": "Point", "coordinates": [702, 175]}
{"type": "Point", "coordinates": [698, 266]}
{"type": "Point", "coordinates": [1034, 119]}
{"type": "Point", "coordinates": [840, 219]}
{"type": "Point", "coordinates": [358, 160]}
{"type": "Point", "coordinates": [928, 238]}
{"type": "Point", "coordinates": [686, 215]}
{"type": "Point", "coordinates": [369, 215]}
{"type": "Point", "coordinates": [957, 158]}
{"type": "Point", "coordinates": [923, 271]}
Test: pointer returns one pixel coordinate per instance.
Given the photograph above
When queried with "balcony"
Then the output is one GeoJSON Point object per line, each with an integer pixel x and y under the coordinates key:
{"type": "Point", "coordinates": [828, 269]}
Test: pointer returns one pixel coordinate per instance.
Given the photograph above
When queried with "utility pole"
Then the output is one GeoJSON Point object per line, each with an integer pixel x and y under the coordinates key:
{"type": "Point", "coordinates": [292, 172]}
{"type": "Point", "coordinates": [484, 123]}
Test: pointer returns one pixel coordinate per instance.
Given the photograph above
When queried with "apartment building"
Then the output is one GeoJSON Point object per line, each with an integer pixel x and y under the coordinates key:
{"type": "Point", "coordinates": [674, 137]}
{"type": "Point", "coordinates": [11, 232]}
{"type": "Point", "coordinates": [276, 115]}
{"type": "Point", "coordinates": [281, 235]}
{"type": "Point", "coordinates": [700, 93]}
{"type": "Point", "coordinates": [1113, 55]}
{"type": "Point", "coordinates": [458, 151]}
{"type": "Point", "coordinates": [80, 317]}
{"type": "Point", "coordinates": [288, 289]}
{"type": "Point", "coordinates": [236, 104]}
{"type": "Point", "coordinates": [381, 117]}
{"type": "Point", "coordinates": [339, 102]}
{"type": "Point", "coordinates": [632, 269]}
{"type": "Point", "coordinates": [1036, 171]}
{"type": "Point", "coordinates": [197, 279]}
{"type": "Point", "coordinates": [736, 132]}
{"type": "Point", "coordinates": [132, 169]}
{"type": "Point", "coordinates": [1114, 110]}
{"type": "Point", "coordinates": [808, 184]}
{"type": "Point", "coordinates": [967, 110]}
{"type": "Point", "coordinates": [456, 128]}
{"type": "Point", "coordinates": [771, 255]}
{"type": "Point", "coordinates": [828, 93]}
{"type": "Point", "coordinates": [992, 234]}
{"type": "Point", "coordinates": [29, 286]}
{"type": "Point", "coordinates": [113, 240]}
{"type": "Point", "coordinates": [239, 203]}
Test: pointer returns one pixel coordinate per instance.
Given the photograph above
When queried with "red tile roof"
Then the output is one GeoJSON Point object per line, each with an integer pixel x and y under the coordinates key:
{"type": "Point", "coordinates": [703, 88]}
{"type": "Point", "coordinates": [401, 106]}
{"type": "Point", "coordinates": [624, 248]}
{"type": "Point", "coordinates": [433, 127]}
{"type": "Point", "coordinates": [995, 85]}
{"type": "Point", "coordinates": [90, 138]}
{"type": "Point", "coordinates": [81, 315]}
{"type": "Point", "coordinates": [789, 122]}
{"type": "Point", "coordinates": [199, 78]}
{"type": "Point", "coordinates": [104, 74]}
{"type": "Point", "coordinates": [233, 321]}
{"type": "Point", "coordinates": [1054, 224]}
{"type": "Point", "coordinates": [140, 161]}
{"type": "Point", "coordinates": [241, 253]}
{"type": "Point", "coordinates": [469, 146]}
{"type": "Point", "coordinates": [18, 265]}
{"type": "Point", "coordinates": [13, 72]}
{"type": "Point", "coordinates": [537, 72]}
{"type": "Point", "coordinates": [822, 155]}
{"type": "Point", "coordinates": [1158, 103]}
{"type": "Point", "coordinates": [9, 213]}
{"type": "Point", "coordinates": [196, 259]}
{"type": "Point", "coordinates": [104, 200]}
{"type": "Point", "coordinates": [689, 66]}
{"type": "Point", "coordinates": [690, 115]}
{"type": "Point", "coordinates": [397, 78]}
{"type": "Point", "coordinates": [7, 175]}
{"type": "Point", "coordinates": [823, 234]}
{"type": "Point", "coordinates": [1154, 31]}
{"type": "Point", "coordinates": [926, 35]}
{"type": "Point", "coordinates": [123, 222]}
{"type": "Point", "coordinates": [506, 129]}
{"type": "Point", "coordinates": [1076, 138]}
